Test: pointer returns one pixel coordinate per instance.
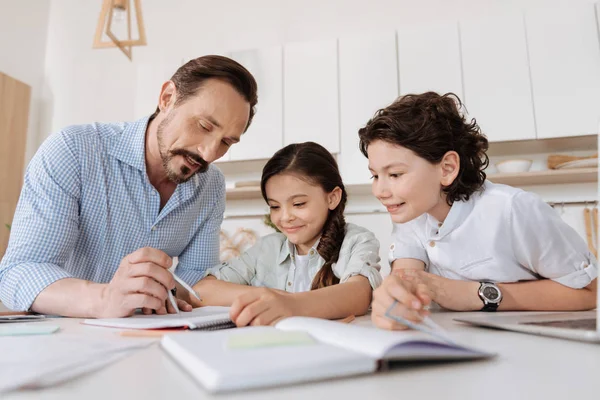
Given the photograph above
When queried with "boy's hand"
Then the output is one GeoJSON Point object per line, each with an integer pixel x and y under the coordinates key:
{"type": "Point", "coordinates": [262, 306]}
{"type": "Point", "coordinates": [450, 294]}
{"type": "Point", "coordinates": [411, 297]}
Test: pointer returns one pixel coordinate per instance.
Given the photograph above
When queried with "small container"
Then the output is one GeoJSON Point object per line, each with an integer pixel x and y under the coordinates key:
{"type": "Point", "coordinates": [514, 166]}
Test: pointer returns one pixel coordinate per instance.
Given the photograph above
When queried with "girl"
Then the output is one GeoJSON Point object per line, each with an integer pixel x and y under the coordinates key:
{"type": "Point", "coordinates": [459, 240]}
{"type": "Point", "coordinates": [318, 265]}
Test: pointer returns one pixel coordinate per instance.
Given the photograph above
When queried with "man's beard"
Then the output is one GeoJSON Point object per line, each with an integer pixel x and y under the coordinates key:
{"type": "Point", "coordinates": [183, 175]}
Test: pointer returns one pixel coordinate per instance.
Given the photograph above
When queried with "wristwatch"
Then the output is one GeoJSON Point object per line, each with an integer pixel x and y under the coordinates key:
{"type": "Point", "coordinates": [490, 294]}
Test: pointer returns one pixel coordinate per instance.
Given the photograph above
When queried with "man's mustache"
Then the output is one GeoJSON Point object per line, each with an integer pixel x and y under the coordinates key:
{"type": "Point", "coordinates": [193, 156]}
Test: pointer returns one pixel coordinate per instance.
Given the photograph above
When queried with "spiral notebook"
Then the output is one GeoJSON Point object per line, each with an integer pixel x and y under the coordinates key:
{"type": "Point", "coordinates": [204, 318]}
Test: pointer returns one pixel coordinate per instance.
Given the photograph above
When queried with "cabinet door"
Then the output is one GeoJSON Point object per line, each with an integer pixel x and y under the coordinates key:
{"type": "Point", "coordinates": [368, 82]}
{"type": "Point", "coordinates": [429, 59]}
{"type": "Point", "coordinates": [15, 99]}
{"type": "Point", "coordinates": [564, 55]}
{"type": "Point", "coordinates": [496, 77]}
{"type": "Point", "coordinates": [265, 135]}
{"type": "Point", "coordinates": [311, 110]}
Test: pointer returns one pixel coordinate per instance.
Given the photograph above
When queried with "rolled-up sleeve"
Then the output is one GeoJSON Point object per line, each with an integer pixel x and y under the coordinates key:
{"type": "Point", "coordinates": [359, 255]}
{"type": "Point", "coordinates": [406, 244]}
{"type": "Point", "coordinates": [547, 245]}
{"type": "Point", "coordinates": [45, 227]}
{"type": "Point", "coordinates": [240, 270]}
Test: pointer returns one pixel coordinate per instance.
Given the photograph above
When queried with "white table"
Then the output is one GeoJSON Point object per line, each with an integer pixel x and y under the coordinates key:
{"type": "Point", "coordinates": [527, 367]}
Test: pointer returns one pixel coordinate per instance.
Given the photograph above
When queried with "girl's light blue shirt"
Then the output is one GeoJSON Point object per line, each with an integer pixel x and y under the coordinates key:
{"type": "Point", "coordinates": [270, 262]}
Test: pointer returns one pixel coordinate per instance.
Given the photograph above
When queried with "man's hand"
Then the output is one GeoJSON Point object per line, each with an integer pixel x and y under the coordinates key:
{"type": "Point", "coordinates": [181, 304]}
{"type": "Point", "coordinates": [450, 294]}
{"type": "Point", "coordinates": [262, 307]}
{"type": "Point", "coordinates": [411, 298]}
{"type": "Point", "coordinates": [141, 281]}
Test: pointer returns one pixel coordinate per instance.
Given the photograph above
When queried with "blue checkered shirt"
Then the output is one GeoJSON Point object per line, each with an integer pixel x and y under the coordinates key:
{"type": "Point", "coordinates": [87, 202]}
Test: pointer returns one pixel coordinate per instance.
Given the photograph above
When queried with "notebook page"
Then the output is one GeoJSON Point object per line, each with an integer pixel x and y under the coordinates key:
{"type": "Point", "coordinates": [370, 341]}
{"type": "Point", "coordinates": [41, 361]}
{"type": "Point", "coordinates": [196, 317]}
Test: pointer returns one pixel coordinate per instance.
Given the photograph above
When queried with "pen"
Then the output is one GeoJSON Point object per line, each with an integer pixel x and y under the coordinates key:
{"type": "Point", "coordinates": [346, 320]}
{"type": "Point", "coordinates": [149, 332]}
{"type": "Point", "coordinates": [173, 301]}
{"type": "Point", "coordinates": [186, 287]}
{"type": "Point", "coordinates": [427, 326]}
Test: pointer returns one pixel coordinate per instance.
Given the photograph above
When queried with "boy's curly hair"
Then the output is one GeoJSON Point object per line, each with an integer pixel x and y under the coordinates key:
{"type": "Point", "coordinates": [430, 125]}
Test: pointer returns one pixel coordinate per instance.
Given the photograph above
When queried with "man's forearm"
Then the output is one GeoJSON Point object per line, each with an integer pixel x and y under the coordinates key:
{"type": "Point", "coordinates": [70, 297]}
{"type": "Point", "coordinates": [213, 292]}
{"type": "Point", "coordinates": [540, 295]}
{"type": "Point", "coordinates": [338, 301]}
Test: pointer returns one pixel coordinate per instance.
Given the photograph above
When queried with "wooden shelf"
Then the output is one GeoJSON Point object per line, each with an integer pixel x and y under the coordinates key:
{"type": "Point", "coordinates": [547, 177]}
{"type": "Point", "coordinates": [243, 193]}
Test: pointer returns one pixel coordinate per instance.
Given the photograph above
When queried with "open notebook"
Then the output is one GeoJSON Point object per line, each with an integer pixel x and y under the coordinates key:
{"type": "Point", "coordinates": [203, 318]}
{"type": "Point", "coordinates": [300, 349]}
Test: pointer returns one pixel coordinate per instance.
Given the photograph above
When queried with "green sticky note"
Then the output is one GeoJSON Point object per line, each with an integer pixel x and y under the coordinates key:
{"type": "Point", "coordinates": [269, 339]}
{"type": "Point", "coordinates": [26, 329]}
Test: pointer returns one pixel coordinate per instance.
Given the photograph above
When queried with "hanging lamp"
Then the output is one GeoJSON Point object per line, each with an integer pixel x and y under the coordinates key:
{"type": "Point", "coordinates": [114, 21]}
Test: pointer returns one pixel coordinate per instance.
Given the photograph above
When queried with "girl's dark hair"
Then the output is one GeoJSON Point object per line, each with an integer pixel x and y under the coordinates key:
{"type": "Point", "coordinates": [190, 77]}
{"type": "Point", "coordinates": [431, 125]}
{"type": "Point", "coordinates": [312, 162]}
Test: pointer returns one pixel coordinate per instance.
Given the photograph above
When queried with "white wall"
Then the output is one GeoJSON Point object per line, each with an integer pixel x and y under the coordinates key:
{"type": "Point", "coordinates": [23, 27]}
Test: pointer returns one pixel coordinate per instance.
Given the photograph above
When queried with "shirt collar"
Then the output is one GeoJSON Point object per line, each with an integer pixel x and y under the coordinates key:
{"type": "Point", "coordinates": [130, 146]}
{"type": "Point", "coordinates": [289, 249]}
{"type": "Point", "coordinates": [458, 213]}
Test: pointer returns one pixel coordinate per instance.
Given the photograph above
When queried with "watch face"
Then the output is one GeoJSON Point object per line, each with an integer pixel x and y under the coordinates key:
{"type": "Point", "coordinates": [490, 293]}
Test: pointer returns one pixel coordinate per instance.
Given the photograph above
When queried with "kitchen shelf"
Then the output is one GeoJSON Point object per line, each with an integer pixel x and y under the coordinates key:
{"type": "Point", "coordinates": [244, 193]}
{"type": "Point", "coordinates": [547, 177]}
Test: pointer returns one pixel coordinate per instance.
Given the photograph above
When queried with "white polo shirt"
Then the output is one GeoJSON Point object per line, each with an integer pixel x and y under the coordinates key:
{"type": "Point", "coordinates": [502, 234]}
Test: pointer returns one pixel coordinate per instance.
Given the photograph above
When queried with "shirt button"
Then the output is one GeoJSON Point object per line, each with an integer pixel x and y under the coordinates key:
{"type": "Point", "coordinates": [289, 283]}
{"type": "Point", "coordinates": [392, 247]}
{"type": "Point", "coordinates": [432, 244]}
{"type": "Point", "coordinates": [153, 228]}
{"type": "Point", "coordinates": [312, 252]}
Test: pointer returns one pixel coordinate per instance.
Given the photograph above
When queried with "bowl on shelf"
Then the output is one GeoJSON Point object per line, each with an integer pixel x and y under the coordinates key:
{"type": "Point", "coordinates": [513, 166]}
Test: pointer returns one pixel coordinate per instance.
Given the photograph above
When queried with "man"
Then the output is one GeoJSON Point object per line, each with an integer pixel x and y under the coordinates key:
{"type": "Point", "coordinates": [105, 207]}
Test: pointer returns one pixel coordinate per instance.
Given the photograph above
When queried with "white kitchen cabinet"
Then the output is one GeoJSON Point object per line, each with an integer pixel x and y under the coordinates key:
{"type": "Point", "coordinates": [429, 58]}
{"type": "Point", "coordinates": [265, 135]}
{"type": "Point", "coordinates": [564, 56]}
{"type": "Point", "coordinates": [368, 82]}
{"type": "Point", "coordinates": [311, 108]}
{"type": "Point", "coordinates": [496, 76]}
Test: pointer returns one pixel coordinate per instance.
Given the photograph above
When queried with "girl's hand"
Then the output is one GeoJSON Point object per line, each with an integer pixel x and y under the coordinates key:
{"type": "Point", "coordinates": [450, 294]}
{"type": "Point", "coordinates": [262, 306]}
{"type": "Point", "coordinates": [411, 297]}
